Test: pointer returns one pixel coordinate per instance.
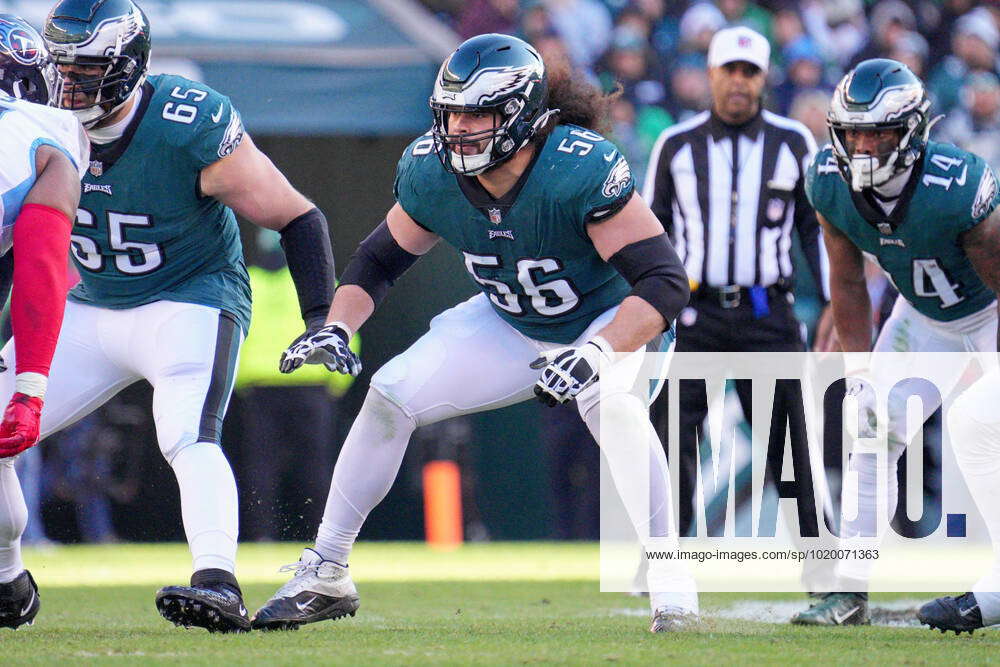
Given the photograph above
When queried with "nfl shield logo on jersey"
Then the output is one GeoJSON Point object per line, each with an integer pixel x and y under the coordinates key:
{"type": "Point", "coordinates": [96, 168]}
{"type": "Point", "coordinates": [495, 216]}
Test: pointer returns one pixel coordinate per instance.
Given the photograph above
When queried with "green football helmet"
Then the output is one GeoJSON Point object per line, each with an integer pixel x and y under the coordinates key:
{"type": "Point", "coordinates": [878, 94]}
{"type": "Point", "coordinates": [111, 34]}
{"type": "Point", "coordinates": [490, 73]}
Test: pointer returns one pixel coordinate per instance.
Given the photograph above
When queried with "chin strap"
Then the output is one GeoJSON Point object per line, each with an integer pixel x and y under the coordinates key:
{"type": "Point", "coordinates": [932, 123]}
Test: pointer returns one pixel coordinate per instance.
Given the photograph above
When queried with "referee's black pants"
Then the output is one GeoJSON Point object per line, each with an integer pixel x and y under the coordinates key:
{"type": "Point", "coordinates": [706, 326]}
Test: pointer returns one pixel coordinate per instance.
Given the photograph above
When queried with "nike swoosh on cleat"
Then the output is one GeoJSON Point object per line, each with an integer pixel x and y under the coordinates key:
{"type": "Point", "coordinates": [302, 605]}
{"type": "Point", "coordinates": [243, 610]}
{"type": "Point", "coordinates": [839, 620]}
{"type": "Point", "coordinates": [27, 607]}
{"type": "Point", "coordinates": [217, 116]}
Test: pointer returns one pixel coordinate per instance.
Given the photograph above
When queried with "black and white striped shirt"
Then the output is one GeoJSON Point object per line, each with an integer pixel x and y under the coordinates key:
{"type": "Point", "coordinates": [730, 196]}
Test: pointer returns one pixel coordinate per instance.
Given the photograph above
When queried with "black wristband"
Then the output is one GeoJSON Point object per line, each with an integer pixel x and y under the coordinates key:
{"type": "Point", "coordinates": [306, 242]}
{"type": "Point", "coordinates": [656, 274]}
{"type": "Point", "coordinates": [377, 263]}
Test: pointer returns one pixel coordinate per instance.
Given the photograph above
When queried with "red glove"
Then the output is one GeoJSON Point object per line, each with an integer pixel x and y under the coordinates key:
{"type": "Point", "coordinates": [19, 430]}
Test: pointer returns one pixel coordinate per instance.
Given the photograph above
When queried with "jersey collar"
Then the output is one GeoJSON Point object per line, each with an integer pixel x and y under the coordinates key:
{"type": "Point", "coordinates": [719, 129]}
{"type": "Point", "coordinates": [865, 204]}
{"type": "Point", "coordinates": [480, 198]}
{"type": "Point", "coordinates": [108, 154]}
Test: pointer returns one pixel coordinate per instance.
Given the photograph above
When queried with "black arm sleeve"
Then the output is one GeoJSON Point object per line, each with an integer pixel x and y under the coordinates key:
{"type": "Point", "coordinates": [656, 274]}
{"type": "Point", "coordinates": [377, 263]}
{"type": "Point", "coordinates": [306, 242]}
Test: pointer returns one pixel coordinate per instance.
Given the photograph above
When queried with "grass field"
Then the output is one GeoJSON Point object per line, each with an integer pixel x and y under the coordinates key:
{"type": "Point", "coordinates": [483, 604]}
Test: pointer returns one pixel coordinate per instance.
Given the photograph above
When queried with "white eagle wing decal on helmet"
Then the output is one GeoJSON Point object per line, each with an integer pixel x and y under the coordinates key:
{"type": "Point", "coordinates": [617, 179]}
{"type": "Point", "coordinates": [492, 83]}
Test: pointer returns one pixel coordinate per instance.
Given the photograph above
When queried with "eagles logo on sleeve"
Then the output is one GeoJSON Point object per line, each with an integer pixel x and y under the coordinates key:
{"type": "Point", "coordinates": [985, 194]}
{"type": "Point", "coordinates": [233, 136]}
{"type": "Point", "coordinates": [617, 179]}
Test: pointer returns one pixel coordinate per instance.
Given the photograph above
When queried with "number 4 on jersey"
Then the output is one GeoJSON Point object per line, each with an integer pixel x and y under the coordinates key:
{"type": "Point", "coordinates": [929, 280]}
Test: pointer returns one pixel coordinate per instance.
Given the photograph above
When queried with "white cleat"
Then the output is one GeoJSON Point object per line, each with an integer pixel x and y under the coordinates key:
{"type": "Point", "coordinates": [319, 590]}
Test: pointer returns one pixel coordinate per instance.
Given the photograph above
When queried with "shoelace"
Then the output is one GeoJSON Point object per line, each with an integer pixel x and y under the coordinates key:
{"type": "Point", "coordinates": [298, 568]}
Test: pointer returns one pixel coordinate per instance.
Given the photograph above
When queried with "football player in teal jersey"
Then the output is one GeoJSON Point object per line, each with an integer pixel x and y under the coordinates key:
{"type": "Point", "coordinates": [573, 268]}
{"type": "Point", "coordinates": [928, 214]}
{"type": "Point", "coordinates": [164, 293]}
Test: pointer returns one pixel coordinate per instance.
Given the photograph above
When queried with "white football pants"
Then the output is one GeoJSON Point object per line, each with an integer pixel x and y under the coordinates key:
{"type": "Point", "coordinates": [906, 330]}
{"type": "Point", "coordinates": [189, 354]}
{"type": "Point", "coordinates": [471, 361]}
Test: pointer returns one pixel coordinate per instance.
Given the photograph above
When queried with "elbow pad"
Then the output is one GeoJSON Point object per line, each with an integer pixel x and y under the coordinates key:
{"type": "Point", "coordinates": [655, 272]}
{"type": "Point", "coordinates": [377, 263]}
{"type": "Point", "coordinates": [309, 253]}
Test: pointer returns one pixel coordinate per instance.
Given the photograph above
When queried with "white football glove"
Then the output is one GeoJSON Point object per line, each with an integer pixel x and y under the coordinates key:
{"type": "Point", "coordinates": [566, 371]}
{"type": "Point", "coordinates": [861, 386]}
{"type": "Point", "coordinates": [328, 346]}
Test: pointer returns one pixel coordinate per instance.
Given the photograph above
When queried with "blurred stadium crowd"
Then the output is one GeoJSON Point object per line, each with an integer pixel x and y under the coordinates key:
{"type": "Point", "coordinates": [656, 50]}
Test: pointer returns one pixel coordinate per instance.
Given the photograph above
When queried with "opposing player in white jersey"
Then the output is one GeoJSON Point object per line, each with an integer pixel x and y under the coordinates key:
{"type": "Point", "coordinates": [43, 152]}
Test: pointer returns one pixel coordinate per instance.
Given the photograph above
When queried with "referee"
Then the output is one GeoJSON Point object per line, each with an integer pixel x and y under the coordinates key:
{"type": "Point", "coordinates": [728, 186]}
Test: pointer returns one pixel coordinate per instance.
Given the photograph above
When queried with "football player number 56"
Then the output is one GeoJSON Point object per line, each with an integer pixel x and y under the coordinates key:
{"type": "Point", "coordinates": [550, 299]}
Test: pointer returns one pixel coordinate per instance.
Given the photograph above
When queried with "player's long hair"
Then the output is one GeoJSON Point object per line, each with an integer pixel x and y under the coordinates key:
{"type": "Point", "coordinates": [579, 102]}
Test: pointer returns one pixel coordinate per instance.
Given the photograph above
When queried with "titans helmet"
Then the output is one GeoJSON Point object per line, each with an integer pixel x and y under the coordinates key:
{"type": "Point", "coordinates": [26, 70]}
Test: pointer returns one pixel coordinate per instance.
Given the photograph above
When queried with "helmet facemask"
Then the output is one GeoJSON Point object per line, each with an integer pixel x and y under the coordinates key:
{"type": "Point", "coordinates": [878, 95]}
{"type": "Point", "coordinates": [110, 38]}
{"type": "Point", "coordinates": [871, 170]}
{"type": "Point", "coordinates": [499, 143]}
{"type": "Point", "coordinates": [492, 74]}
{"type": "Point", "coordinates": [92, 98]}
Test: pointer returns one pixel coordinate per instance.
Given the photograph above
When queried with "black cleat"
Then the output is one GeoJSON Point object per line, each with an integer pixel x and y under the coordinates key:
{"type": "Point", "coordinates": [213, 601]}
{"type": "Point", "coordinates": [960, 613]}
{"type": "Point", "coordinates": [19, 601]}
{"type": "Point", "coordinates": [320, 590]}
{"type": "Point", "coordinates": [835, 609]}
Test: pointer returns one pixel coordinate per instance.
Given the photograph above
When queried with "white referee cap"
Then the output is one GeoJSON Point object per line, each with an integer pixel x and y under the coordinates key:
{"type": "Point", "coordinates": [740, 43]}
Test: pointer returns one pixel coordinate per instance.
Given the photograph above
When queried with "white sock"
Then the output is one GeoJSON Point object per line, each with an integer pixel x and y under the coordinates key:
{"type": "Point", "coordinates": [208, 505]}
{"type": "Point", "coordinates": [13, 519]}
{"type": "Point", "coordinates": [867, 529]}
{"type": "Point", "coordinates": [975, 437]}
{"type": "Point", "coordinates": [365, 470]}
{"type": "Point", "coordinates": [628, 440]}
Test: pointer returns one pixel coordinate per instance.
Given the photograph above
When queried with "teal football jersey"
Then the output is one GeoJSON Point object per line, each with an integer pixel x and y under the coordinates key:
{"type": "Point", "coordinates": [143, 231]}
{"type": "Point", "coordinates": [919, 246]}
{"type": "Point", "coordinates": [529, 250]}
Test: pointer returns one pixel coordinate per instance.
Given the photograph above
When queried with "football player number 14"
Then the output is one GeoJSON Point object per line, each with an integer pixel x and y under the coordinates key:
{"type": "Point", "coordinates": [930, 280]}
{"type": "Point", "coordinates": [137, 258]}
{"type": "Point", "coordinates": [550, 299]}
